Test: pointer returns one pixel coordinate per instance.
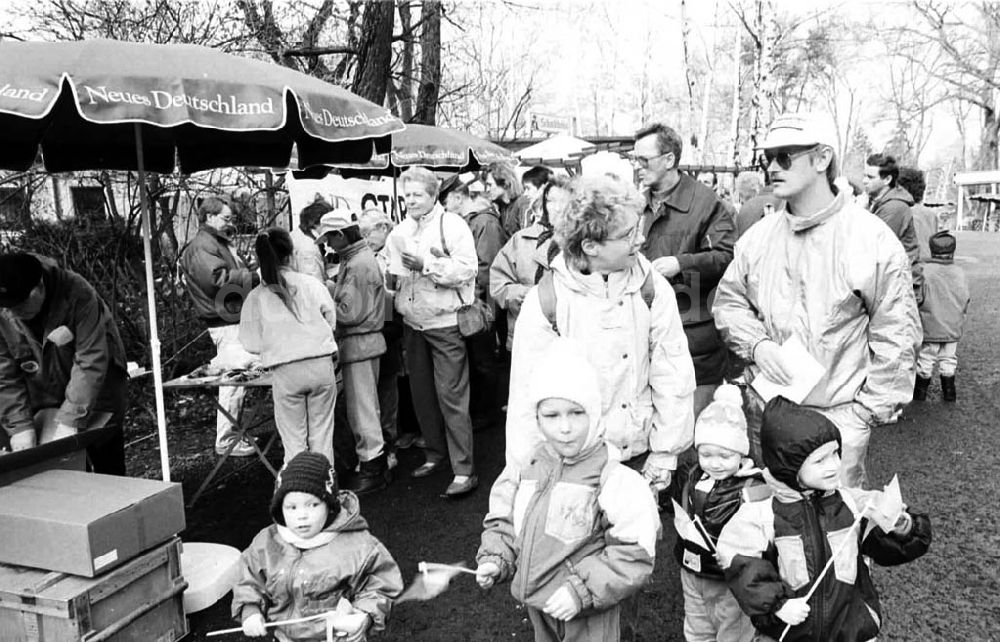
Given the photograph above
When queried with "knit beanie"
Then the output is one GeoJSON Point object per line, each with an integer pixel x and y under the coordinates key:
{"type": "Point", "coordinates": [19, 274]}
{"type": "Point", "coordinates": [942, 244]}
{"type": "Point", "coordinates": [563, 371]}
{"type": "Point", "coordinates": [789, 434]}
{"type": "Point", "coordinates": [307, 472]}
{"type": "Point", "coordinates": [722, 423]}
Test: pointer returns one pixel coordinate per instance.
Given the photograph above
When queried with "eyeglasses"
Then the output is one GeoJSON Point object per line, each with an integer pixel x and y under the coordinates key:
{"type": "Point", "coordinates": [644, 161]}
{"type": "Point", "coordinates": [630, 234]}
{"type": "Point", "coordinates": [784, 158]}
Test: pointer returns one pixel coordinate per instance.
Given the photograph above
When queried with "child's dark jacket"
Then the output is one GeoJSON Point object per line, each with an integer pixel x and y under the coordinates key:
{"type": "Point", "coordinates": [774, 549]}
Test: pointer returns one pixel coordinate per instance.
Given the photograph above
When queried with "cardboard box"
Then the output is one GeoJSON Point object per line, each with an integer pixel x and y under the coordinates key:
{"type": "Point", "coordinates": [140, 601]}
{"type": "Point", "coordinates": [84, 523]}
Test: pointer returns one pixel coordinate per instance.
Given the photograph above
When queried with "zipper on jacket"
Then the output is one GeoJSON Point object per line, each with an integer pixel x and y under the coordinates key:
{"type": "Point", "coordinates": [529, 538]}
{"type": "Point", "coordinates": [819, 542]}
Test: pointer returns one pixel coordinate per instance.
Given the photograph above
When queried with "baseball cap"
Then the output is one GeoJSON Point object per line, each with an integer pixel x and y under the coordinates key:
{"type": "Point", "coordinates": [799, 130]}
{"type": "Point", "coordinates": [336, 220]}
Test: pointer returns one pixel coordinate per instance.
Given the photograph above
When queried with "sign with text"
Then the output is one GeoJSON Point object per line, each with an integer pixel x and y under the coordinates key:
{"type": "Point", "coordinates": [354, 194]}
{"type": "Point", "coordinates": [551, 124]}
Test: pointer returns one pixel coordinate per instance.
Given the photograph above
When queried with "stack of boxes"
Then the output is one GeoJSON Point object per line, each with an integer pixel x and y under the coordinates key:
{"type": "Point", "coordinates": [90, 557]}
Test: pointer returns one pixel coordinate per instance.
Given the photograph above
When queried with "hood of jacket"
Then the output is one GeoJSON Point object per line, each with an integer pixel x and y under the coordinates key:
{"type": "Point", "coordinates": [895, 194]}
{"type": "Point", "coordinates": [614, 285]}
{"type": "Point", "coordinates": [564, 372]}
{"type": "Point", "coordinates": [789, 434]}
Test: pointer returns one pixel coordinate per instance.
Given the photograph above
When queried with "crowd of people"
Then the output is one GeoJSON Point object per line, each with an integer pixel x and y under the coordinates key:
{"type": "Point", "coordinates": [621, 314]}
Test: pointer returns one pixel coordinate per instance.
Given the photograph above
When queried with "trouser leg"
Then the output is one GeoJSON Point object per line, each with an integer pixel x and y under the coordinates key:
{"type": "Point", "coordinates": [926, 358]}
{"type": "Point", "coordinates": [451, 382]}
{"type": "Point", "coordinates": [229, 354]}
{"type": "Point", "coordinates": [108, 455]}
{"type": "Point", "coordinates": [948, 358]}
{"type": "Point", "coordinates": [290, 416]}
{"type": "Point", "coordinates": [482, 374]}
{"type": "Point", "coordinates": [388, 391]}
{"type": "Point", "coordinates": [423, 394]}
{"type": "Point", "coordinates": [361, 389]}
{"type": "Point", "coordinates": [854, 436]}
{"type": "Point", "coordinates": [321, 401]}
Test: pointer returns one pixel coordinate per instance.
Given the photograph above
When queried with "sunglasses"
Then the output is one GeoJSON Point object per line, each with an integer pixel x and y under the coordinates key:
{"type": "Point", "coordinates": [644, 161]}
{"type": "Point", "coordinates": [783, 157]}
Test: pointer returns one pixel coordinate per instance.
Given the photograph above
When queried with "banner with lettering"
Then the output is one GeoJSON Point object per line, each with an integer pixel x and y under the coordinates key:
{"type": "Point", "coordinates": [354, 194]}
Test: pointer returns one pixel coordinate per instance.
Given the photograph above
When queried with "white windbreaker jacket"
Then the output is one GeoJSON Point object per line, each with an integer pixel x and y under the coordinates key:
{"type": "Point", "coordinates": [840, 282]}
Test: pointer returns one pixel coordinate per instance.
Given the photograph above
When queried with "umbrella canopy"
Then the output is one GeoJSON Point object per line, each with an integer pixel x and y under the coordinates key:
{"type": "Point", "coordinates": [437, 148]}
{"type": "Point", "coordinates": [203, 108]}
{"type": "Point", "coordinates": [557, 150]}
{"type": "Point", "coordinates": [103, 104]}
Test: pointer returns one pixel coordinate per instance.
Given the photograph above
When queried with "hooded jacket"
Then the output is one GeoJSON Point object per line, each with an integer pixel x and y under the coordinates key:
{"type": "Point", "coordinates": [515, 270]}
{"type": "Point", "coordinates": [360, 299]}
{"type": "Point", "coordinates": [946, 301]}
{"type": "Point", "coordinates": [692, 224]}
{"type": "Point", "coordinates": [583, 521]}
{"type": "Point", "coordinates": [78, 347]}
{"type": "Point", "coordinates": [840, 282]}
{"type": "Point", "coordinates": [429, 299]}
{"type": "Point", "coordinates": [489, 236]}
{"type": "Point", "coordinates": [216, 279]}
{"type": "Point", "coordinates": [282, 581]}
{"type": "Point", "coordinates": [774, 550]}
{"type": "Point", "coordinates": [640, 354]}
{"type": "Point", "coordinates": [893, 208]}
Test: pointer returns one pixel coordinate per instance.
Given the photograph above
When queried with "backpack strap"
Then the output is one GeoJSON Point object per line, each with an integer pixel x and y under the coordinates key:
{"type": "Point", "coordinates": [444, 244]}
{"type": "Point", "coordinates": [547, 299]}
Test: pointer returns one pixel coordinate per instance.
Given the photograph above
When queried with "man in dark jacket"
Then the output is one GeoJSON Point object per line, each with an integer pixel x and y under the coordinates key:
{"type": "Point", "coordinates": [59, 349]}
{"type": "Point", "coordinates": [489, 235]}
{"type": "Point", "coordinates": [892, 203]}
{"type": "Point", "coordinates": [218, 281]}
{"type": "Point", "coordinates": [689, 238]}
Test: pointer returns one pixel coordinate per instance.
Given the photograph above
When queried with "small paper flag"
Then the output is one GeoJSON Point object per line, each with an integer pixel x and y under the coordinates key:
{"type": "Point", "coordinates": [888, 506]}
{"type": "Point", "coordinates": [431, 581]}
{"type": "Point", "coordinates": [686, 529]}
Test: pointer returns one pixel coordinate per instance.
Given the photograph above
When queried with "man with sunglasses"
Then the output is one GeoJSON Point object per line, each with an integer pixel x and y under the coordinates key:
{"type": "Point", "coordinates": [689, 239]}
{"type": "Point", "coordinates": [826, 272]}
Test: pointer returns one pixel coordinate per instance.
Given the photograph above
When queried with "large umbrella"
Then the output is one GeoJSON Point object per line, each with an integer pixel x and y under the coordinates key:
{"type": "Point", "coordinates": [103, 104]}
{"type": "Point", "coordinates": [437, 148]}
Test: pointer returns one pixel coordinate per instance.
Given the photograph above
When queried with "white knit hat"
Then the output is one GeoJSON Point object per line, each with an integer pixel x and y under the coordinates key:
{"type": "Point", "coordinates": [563, 371]}
{"type": "Point", "coordinates": [722, 422]}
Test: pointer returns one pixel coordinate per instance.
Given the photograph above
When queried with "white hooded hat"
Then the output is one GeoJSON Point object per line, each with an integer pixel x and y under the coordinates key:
{"type": "Point", "coordinates": [563, 371]}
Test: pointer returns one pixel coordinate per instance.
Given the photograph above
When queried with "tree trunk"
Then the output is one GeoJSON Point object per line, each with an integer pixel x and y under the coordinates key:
{"type": "Point", "coordinates": [430, 63]}
{"type": "Point", "coordinates": [685, 33]}
{"type": "Point", "coordinates": [404, 92]}
{"type": "Point", "coordinates": [988, 141]}
{"type": "Point", "coordinates": [374, 52]}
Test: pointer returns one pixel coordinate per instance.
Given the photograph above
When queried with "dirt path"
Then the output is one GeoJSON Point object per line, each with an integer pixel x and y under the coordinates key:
{"type": "Point", "coordinates": [947, 458]}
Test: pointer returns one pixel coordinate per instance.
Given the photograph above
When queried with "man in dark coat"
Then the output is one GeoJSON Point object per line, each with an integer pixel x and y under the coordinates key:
{"type": "Point", "coordinates": [60, 350]}
{"type": "Point", "coordinates": [892, 203]}
{"type": "Point", "coordinates": [218, 282]}
{"type": "Point", "coordinates": [689, 238]}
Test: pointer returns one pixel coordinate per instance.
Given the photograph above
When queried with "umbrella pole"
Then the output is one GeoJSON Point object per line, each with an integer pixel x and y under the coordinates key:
{"type": "Point", "coordinates": [394, 212]}
{"type": "Point", "coordinates": [154, 338]}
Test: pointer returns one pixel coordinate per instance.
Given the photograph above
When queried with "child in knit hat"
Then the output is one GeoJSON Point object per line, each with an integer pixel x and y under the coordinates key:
{"type": "Point", "coordinates": [575, 530]}
{"type": "Point", "coordinates": [775, 550]}
{"type": "Point", "coordinates": [317, 552]}
{"type": "Point", "coordinates": [712, 490]}
{"type": "Point", "coordinates": [942, 315]}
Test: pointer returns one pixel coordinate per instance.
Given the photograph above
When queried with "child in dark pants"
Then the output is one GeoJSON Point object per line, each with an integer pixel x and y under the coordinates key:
{"type": "Point", "coordinates": [774, 550]}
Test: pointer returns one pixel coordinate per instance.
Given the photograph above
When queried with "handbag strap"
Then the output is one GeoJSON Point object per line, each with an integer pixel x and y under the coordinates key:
{"type": "Point", "coordinates": [444, 248]}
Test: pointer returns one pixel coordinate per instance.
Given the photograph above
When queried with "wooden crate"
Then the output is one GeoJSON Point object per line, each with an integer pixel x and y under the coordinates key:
{"type": "Point", "coordinates": [141, 601]}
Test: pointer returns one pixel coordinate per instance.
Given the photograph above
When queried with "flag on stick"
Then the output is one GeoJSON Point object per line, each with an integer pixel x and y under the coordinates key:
{"type": "Point", "coordinates": [432, 580]}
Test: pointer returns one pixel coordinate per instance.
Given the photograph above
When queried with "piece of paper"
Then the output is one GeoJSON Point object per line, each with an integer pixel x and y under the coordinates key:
{"type": "Point", "coordinates": [399, 244]}
{"type": "Point", "coordinates": [430, 582]}
{"type": "Point", "coordinates": [806, 373]}
{"type": "Point", "coordinates": [888, 507]}
{"type": "Point", "coordinates": [686, 529]}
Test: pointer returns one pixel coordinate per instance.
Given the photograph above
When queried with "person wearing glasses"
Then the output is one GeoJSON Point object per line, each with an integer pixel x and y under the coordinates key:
{"type": "Point", "coordinates": [689, 238]}
{"type": "Point", "coordinates": [609, 298]}
{"type": "Point", "coordinates": [831, 275]}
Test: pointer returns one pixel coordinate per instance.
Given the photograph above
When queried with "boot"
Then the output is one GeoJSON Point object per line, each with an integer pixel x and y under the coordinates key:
{"type": "Point", "coordinates": [948, 388]}
{"type": "Point", "coordinates": [920, 388]}
{"type": "Point", "coordinates": [373, 476]}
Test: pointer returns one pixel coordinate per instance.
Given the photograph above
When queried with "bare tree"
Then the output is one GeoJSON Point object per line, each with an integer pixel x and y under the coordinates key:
{"type": "Point", "coordinates": [430, 63]}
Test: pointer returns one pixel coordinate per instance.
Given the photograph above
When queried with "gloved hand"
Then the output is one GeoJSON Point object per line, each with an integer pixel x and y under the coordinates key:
{"type": "Point", "coordinates": [562, 605]}
{"type": "Point", "coordinates": [658, 478]}
{"type": "Point", "coordinates": [62, 431]}
{"type": "Point", "coordinates": [23, 440]}
{"type": "Point", "coordinates": [794, 611]}
{"type": "Point", "coordinates": [487, 574]}
{"type": "Point", "coordinates": [253, 626]}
